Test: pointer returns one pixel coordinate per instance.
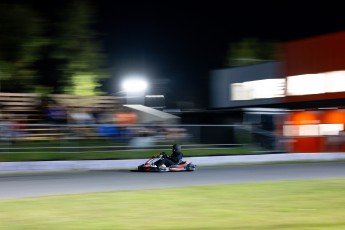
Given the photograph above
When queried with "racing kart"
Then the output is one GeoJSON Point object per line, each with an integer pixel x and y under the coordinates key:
{"type": "Point", "coordinates": [149, 165]}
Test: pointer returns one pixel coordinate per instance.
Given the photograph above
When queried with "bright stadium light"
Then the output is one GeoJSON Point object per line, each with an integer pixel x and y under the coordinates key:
{"type": "Point", "coordinates": [134, 85]}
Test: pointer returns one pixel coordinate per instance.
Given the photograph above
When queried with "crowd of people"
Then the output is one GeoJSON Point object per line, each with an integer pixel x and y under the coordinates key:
{"type": "Point", "coordinates": [85, 122]}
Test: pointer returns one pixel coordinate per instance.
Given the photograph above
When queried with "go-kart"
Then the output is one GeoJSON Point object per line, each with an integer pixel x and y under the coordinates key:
{"type": "Point", "coordinates": [149, 165]}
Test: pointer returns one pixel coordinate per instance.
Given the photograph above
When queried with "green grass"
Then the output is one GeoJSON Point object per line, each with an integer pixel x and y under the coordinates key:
{"type": "Point", "coordinates": [86, 150]}
{"type": "Point", "coordinates": [308, 204]}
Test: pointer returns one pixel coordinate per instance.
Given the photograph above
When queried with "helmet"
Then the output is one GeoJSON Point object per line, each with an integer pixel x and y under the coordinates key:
{"type": "Point", "coordinates": [176, 147]}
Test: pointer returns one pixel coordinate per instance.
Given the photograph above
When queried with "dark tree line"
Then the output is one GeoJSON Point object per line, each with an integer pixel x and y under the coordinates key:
{"type": "Point", "coordinates": [50, 49]}
{"type": "Point", "coordinates": [251, 51]}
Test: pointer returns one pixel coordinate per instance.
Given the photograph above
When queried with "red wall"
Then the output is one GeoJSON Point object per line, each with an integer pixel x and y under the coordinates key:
{"type": "Point", "coordinates": [317, 143]}
{"type": "Point", "coordinates": [305, 144]}
{"type": "Point", "coordinates": [333, 143]}
{"type": "Point", "coordinates": [314, 55]}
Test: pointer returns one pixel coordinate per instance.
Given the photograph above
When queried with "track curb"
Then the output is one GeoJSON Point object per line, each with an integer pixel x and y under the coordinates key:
{"type": "Point", "coordinates": [46, 166]}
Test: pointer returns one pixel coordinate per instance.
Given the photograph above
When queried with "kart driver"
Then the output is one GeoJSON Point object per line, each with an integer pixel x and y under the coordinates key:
{"type": "Point", "coordinates": [173, 159]}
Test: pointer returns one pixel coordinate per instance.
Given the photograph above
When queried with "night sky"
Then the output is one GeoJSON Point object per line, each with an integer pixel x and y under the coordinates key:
{"type": "Point", "coordinates": [177, 43]}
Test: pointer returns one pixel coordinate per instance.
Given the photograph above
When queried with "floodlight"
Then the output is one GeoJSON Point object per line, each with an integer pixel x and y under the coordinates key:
{"type": "Point", "coordinates": [134, 85]}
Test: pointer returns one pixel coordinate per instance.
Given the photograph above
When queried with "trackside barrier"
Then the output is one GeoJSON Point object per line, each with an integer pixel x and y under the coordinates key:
{"type": "Point", "coordinates": [98, 138]}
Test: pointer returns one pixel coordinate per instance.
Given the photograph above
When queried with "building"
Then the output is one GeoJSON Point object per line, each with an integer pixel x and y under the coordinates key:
{"type": "Point", "coordinates": [302, 96]}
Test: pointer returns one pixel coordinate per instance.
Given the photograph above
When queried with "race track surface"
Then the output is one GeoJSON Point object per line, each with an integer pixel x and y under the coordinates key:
{"type": "Point", "coordinates": [31, 185]}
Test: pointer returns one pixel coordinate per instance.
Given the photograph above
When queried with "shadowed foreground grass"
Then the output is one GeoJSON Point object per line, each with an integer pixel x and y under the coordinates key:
{"type": "Point", "coordinates": [309, 204]}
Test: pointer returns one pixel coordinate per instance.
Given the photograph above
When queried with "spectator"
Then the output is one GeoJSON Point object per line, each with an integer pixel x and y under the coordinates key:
{"type": "Point", "coordinates": [56, 114]}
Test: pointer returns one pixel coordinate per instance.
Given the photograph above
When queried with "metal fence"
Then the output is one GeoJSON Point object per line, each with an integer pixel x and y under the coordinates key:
{"type": "Point", "coordinates": [72, 138]}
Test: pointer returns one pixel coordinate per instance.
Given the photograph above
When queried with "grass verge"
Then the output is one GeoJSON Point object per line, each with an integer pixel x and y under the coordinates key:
{"type": "Point", "coordinates": [97, 154]}
{"type": "Point", "coordinates": [309, 204]}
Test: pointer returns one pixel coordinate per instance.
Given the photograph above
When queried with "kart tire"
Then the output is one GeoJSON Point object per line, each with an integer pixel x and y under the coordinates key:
{"type": "Point", "coordinates": [190, 167]}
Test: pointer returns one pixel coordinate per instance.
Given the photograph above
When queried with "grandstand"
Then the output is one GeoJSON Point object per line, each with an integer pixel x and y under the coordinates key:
{"type": "Point", "coordinates": [20, 106]}
{"type": "Point", "coordinates": [28, 112]}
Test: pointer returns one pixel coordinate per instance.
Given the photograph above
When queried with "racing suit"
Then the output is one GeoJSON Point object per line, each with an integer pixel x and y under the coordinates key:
{"type": "Point", "coordinates": [173, 159]}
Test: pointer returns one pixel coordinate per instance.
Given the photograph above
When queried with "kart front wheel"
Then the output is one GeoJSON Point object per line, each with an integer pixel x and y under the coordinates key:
{"type": "Point", "coordinates": [191, 167]}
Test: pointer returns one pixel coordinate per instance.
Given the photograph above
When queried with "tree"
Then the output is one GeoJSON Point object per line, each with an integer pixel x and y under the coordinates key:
{"type": "Point", "coordinates": [20, 43]}
{"type": "Point", "coordinates": [59, 53]}
{"type": "Point", "coordinates": [251, 51]}
{"type": "Point", "coordinates": [77, 52]}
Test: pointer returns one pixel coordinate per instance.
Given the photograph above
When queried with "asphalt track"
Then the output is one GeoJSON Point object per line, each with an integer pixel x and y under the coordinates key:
{"type": "Point", "coordinates": [31, 185]}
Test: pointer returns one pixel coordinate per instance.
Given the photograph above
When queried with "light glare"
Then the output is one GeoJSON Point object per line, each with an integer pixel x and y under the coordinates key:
{"type": "Point", "coordinates": [265, 88]}
{"type": "Point", "coordinates": [134, 85]}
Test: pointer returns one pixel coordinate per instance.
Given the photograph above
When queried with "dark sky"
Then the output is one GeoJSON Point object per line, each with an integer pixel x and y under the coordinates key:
{"type": "Point", "coordinates": [177, 43]}
{"type": "Point", "coordinates": [184, 40]}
